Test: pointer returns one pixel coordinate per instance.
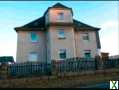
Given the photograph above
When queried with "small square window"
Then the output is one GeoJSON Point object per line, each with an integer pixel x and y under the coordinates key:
{"type": "Point", "coordinates": [61, 33]}
{"type": "Point", "coordinates": [34, 37]}
{"type": "Point", "coordinates": [85, 36]}
{"type": "Point", "coordinates": [33, 56]}
{"type": "Point", "coordinates": [62, 53]}
{"type": "Point", "coordinates": [60, 16]}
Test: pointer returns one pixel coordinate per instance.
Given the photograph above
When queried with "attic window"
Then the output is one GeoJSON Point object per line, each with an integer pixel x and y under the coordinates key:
{"type": "Point", "coordinates": [60, 16]}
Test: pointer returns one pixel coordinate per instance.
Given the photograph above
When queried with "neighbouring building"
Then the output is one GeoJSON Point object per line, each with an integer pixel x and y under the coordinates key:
{"type": "Point", "coordinates": [6, 59]}
{"type": "Point", "coordinates": [104, 55]}
{"type": "Point", "coordinates": [56, 36]}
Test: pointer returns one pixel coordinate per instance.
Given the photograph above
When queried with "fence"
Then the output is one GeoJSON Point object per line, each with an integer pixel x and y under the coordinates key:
{"type": "Point", "coordinates": [74, 65]}
{"type": "Point", "coordinates": [111, 63]}
{"type": "Point", "coordinates": [69, 65]}
{"type": "Point", "coordinates": [26, 69]}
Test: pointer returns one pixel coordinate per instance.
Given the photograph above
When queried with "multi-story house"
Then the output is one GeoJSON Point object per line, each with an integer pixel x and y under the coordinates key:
{"type": "Point", "coordinates": [56, 36]}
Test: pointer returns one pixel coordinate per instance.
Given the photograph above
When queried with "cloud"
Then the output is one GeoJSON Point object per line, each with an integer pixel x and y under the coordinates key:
{"type": "Point", "coordinates": [109, 37]}
{"type": "Point", "coordinates": [110, 24]}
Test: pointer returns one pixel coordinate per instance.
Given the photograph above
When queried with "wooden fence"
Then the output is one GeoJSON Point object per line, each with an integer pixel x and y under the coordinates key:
{"type": "Point", "coordinates": [69, 65]}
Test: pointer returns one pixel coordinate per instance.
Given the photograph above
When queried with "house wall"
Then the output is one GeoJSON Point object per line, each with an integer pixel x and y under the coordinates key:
{"type": "Point", "coordinates": [56, 43]}
{"type": "Point", "coordinates": [82, 45]}
{"type": "Point", "coordinates": [25, 46]}
{"type": "Point", "coordinates": [48, 45]}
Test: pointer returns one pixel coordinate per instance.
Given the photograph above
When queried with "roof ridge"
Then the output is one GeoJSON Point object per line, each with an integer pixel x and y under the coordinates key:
{"type": "Point", "coordinates": [59, 5]}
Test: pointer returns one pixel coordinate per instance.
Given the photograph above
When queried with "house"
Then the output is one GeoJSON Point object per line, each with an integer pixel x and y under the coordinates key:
{"type": "Point", "coordinates": [56, 36]}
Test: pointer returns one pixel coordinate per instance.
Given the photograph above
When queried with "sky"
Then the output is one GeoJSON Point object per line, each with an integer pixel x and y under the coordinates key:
{"type": "Point", "coordinates": [101, 14]}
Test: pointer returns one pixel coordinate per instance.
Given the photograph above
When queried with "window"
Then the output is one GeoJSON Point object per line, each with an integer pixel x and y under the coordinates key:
{"type": "Point", "coordinates": [87, 54]}
{"type": "Point", "coordinates": [34, 37]}
{"type": "Point", "coordinates": [62, 53]}
{"type": "Point", "coordinates": [85, 36]}
{"type": "Point", "coordinates": [60, 16]}
{"type": "Point", "coordinates": [33, 56]}
{"type": "Point", "coordinates": [61, 33]}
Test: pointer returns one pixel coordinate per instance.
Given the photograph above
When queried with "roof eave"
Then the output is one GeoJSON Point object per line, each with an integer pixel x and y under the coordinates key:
{"type": "Point", "coordinates": [28, 29]}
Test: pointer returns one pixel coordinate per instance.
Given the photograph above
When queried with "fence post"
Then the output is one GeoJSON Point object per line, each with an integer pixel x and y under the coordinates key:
{"type": "Point", "coordinates": [98, 63]}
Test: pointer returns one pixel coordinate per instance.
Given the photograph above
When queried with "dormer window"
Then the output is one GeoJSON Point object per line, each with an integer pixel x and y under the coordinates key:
{"type": "Point", "coordinates": [60, 16]}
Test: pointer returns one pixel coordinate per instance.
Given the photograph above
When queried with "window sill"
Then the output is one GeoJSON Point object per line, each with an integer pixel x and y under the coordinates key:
{"type": "Point", "coordinates": [61, 37]}
{"type": "Point", "coordinates": [61, 59]}
{"type": "Point", "coordinates": [34, 42]}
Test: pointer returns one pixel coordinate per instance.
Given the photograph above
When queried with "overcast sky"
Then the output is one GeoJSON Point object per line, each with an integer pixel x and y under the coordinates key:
{"type": "Point", "coordinates": [102, 14]}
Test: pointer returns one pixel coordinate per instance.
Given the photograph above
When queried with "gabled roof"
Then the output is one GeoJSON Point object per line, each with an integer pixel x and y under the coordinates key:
{"type": "Point", "coordinates": [81, 25]}
{"type": "Point", "coordinates": [40, 23]}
